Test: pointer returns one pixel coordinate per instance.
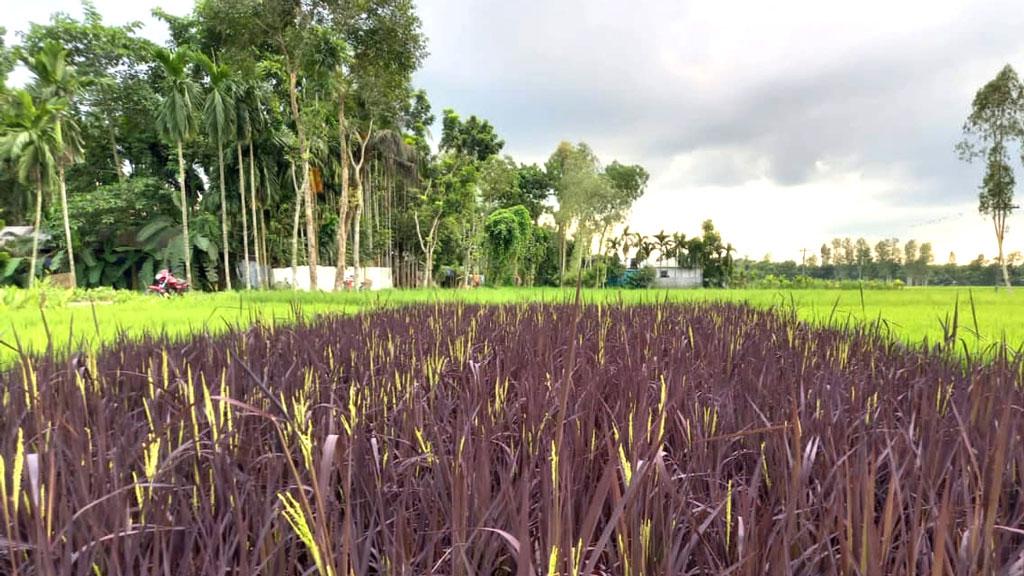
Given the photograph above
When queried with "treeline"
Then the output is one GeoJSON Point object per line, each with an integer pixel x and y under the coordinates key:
{"type": "Point", "coordinates": [271, 133]}
{"type": "Point", "coordinates": [886, 263]}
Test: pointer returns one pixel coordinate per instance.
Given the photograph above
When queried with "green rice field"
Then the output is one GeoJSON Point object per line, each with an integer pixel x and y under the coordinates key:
{"type": "Point", "coordinates": [30, 319]}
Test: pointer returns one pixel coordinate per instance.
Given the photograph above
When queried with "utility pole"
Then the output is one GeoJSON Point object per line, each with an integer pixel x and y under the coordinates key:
{"type": "Point", "coordinates": [803, 261]}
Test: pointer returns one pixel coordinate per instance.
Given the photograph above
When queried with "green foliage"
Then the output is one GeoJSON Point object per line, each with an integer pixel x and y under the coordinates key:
{"type": "Point", "coordinates": [997, 115]}
{"type": "Point", "coordinates": [32, 140]}
{"type": "Point", "coordinates": [641, 278]}
{"type": "Point", "coordinates": [474, 138]}
{"type": "Point", "coordinates": [996, 197]}
{"type": "Point", "coordinates": [508, 232]}
{"type": "Point", "coordinates": [176, 120]}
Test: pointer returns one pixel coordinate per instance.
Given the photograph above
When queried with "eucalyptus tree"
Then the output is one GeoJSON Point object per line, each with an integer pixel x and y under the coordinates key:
{"type": "Point", "coordinates": [56, 79]}
{"type": "Point", "coordinates": [996, 197]}
{"type": "Point", "coordinates": [219, 119]}
{"type": "Point", "coordinates": [996, 120]}
{"type": "Point", "coordinates": [177, 123]}
{"type": "Point", "coordinates": [32, 142]}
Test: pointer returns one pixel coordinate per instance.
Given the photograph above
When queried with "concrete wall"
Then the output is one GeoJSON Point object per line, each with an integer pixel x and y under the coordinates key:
{"type": "Point", "coordinates": [380, 278]}
{"type": "Point", "coordinates": [671, 277]}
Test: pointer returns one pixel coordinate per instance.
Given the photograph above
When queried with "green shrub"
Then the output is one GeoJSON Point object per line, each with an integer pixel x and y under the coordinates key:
{"type": "Point", "coordinates": [642, 278]}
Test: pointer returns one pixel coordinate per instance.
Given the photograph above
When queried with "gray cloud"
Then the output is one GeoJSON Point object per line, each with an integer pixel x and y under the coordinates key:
{"type": "Point", "coordinates": [885, 105]}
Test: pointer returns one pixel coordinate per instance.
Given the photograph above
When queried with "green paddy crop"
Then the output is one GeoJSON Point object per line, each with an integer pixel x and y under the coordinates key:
{"type": "Point", "coordinates": [548, 439]}
{"type": "Point", "coordinates": [90, 319]}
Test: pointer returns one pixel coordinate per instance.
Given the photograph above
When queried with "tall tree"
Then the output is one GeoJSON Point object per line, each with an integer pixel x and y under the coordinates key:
{"type": "Point", "coordinates": [176, 122]}
{"type": "Point", "coordinates": [219, 119]}
{"type": "Point", "coordinates": [474, 137]}
{"type": "Point", "coordinates": [996, 198]}
{"type": "Point", "coordinates": [56, 79]}
{"type": "Point", "coordinates": [32, 142]}
{"type": "Point", "coordinates": [996, 120]}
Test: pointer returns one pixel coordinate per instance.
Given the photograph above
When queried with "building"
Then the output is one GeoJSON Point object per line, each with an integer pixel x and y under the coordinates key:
{"type": "Point", "coordinates": [676, 277]}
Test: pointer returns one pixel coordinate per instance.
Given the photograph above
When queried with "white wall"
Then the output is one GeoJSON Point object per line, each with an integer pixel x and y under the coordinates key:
{"type": "Point", "coordinates": [671, 277]}
{"type": "Point", "coordinates": [380, 278]}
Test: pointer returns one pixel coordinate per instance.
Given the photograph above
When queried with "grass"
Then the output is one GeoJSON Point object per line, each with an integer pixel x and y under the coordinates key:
{"type": "Point", "coordinates": [90, 319]}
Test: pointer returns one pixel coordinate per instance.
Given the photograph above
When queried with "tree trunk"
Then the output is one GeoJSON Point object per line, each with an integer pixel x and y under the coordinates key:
{"type": "Point", "coordinates": [35, 230]}
{"type": "Point", "coordinates": [310, 214]}
{"type": "Point", "coordinates": [427, 246]}
{"type": "Point", "coordinates": [599, 279]}
{"type": "Point", "coordinates": [370, 210]}
{"type": "Point", "coordinates": [561, 265]}
{"type": "Point", "coordinates": [357, 217]}
{"type": "Point", "coordinates": [255, 221]}
{"type": "Point", "coordinates": [67, 222]}
{"type": "Point", "coordinates": [356, 225]}
{"type": "Point", "coordinates": [467, 257]}
{"type": "Point", "coordinates": [245, 217]}
{"type": "Point", "coordinates": [295, 229]}
{"type": "Point", "coordinates": [184, 216]}
{"type": "Point", "coordinates": [341, 236]}
{"type": "Point", "coordinates": [117, 156]}
{"type": "Point", "coordinates": [266, 259]}
{"type": "Point", "coordinates": [224, 216]}
{"type": "Point", "coordinates": [1000, 223]}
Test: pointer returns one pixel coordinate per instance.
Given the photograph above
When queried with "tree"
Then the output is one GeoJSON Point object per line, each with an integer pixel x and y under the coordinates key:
{"type": "Point", "coordinates": [534, 188]}
{"type": "Point", "coordinates": [219, 119]}
{"type": "Point", "coordinates": [589, 199]}
{"type": "Point", "coordinates": [55, 79]}
{"type": "Point", "coordinates": [861, 255]}
{"type": "Point", "coordinates": [474, 138]}
{"type": "Point", "coordinates": [176, 122]}
{"type": "Point", "coordinates": [32, 142]}
{"type": "Point", "coordinates": [996, 198]}
{"type": "Point", "coordinates": [826, 255]}
{"type": "Point", "coordinates": [664, 243]}
{"type": "Point", "coordinates": [911, 265]}
{"type": "Point", "coordinates": [508, 232]}
{"type": "Point", "coordinates": [996, 119]}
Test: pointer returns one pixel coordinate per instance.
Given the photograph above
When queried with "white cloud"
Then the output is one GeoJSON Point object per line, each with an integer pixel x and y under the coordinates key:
{"type": "Point", "coordinates": [786, 122]}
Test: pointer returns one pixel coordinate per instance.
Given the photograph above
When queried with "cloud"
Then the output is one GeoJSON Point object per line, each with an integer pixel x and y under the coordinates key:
{"type": "Point", "coordinates": [851, 105]}
{"type": "Point", "coordinates": [786, 122]}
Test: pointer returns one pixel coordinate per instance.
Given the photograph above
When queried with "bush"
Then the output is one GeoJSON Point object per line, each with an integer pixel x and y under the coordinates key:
{"type": "Point", "coordinates": [806, 282]}
{"type": "Point", "coordinates": [642, 278]}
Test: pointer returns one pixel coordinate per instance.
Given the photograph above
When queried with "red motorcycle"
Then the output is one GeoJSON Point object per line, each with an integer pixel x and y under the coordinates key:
{"type": "Point", "coordinates": [167, 284]}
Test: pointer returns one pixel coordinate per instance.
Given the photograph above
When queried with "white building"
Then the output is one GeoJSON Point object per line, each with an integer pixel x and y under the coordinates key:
{"type": "Point", "coordinates": [675, 277]}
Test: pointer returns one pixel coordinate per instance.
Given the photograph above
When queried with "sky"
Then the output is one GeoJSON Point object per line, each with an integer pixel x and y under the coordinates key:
{"type": "Point", "coordinates": [787, 123]}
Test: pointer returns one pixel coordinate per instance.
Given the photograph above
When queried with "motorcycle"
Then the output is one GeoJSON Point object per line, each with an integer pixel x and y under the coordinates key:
{"type": "Point", "coordinates": [167, 284]}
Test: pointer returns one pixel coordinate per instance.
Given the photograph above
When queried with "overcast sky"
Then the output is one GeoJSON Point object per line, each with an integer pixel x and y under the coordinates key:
{"type": "Point", "coordinates": [787, 122]}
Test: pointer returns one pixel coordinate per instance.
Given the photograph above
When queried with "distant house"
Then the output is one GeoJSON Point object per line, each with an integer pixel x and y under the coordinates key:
{"type": "Point", "coordinates": [676, 277]}
{"type": "Point", "coordinates": [10, 234]}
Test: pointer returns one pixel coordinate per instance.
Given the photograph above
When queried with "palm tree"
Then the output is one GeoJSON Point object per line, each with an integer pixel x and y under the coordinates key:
{"type": "Point", "coordinates": [176, 122]}
{"type": "Point", "coordinates": [32, 142]}
{"type": "Point", "coordinates": [219, 117]}
{"type": "Point", "coordinates": [664, 242]}
{"type": "Point", "coordinates": [612, 245]}
{"type": "Point", "coordinates": [58, 80]}
{"type": "Point", "coordinates": [626, 242]}
{"type": "Point", "coordinates": [252, 121]}
{"type": "Point", "coordinates": [678, 247]}
{"type": "Point", "coordinates": [644, 247]}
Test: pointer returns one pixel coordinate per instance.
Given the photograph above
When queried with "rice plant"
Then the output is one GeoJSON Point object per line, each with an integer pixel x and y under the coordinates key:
{"type": "Point", "coordinates": [518, 439]}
